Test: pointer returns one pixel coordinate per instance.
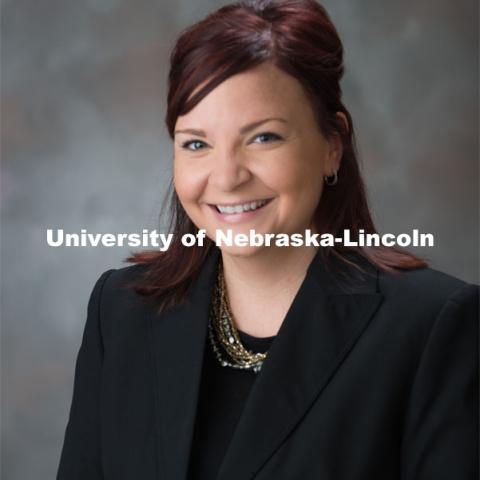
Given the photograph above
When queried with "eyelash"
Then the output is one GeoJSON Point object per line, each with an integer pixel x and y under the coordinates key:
{"type": "Point", "coordinates": [186, 144]}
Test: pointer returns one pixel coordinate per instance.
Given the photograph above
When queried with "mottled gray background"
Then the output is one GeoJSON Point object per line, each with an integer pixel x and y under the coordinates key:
{"type": "Point", "coordinates": [84, 146]}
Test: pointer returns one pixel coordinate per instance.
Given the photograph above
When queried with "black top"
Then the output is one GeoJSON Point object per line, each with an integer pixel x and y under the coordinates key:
{"type": "Point", "coordinates": [223, 393]}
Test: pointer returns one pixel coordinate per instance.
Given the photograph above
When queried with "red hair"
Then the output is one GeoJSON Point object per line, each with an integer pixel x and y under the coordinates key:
{"type": "Point", "coordinates": [298, 37]}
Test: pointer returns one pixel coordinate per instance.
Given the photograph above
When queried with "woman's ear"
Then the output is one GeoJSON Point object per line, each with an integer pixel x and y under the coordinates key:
{"type": "Point", "coordinates": [336, 145]}
{"type": "Point", "coordinates": [343, 118]}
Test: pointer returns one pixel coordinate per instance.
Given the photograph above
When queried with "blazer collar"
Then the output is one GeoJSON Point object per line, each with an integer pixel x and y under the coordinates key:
{"type": "Point", "coordinates": [326, 318]}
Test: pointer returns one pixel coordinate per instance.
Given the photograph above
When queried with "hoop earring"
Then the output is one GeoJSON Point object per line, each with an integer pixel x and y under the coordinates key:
{"type": "Point", "coordinates": [331, 180]}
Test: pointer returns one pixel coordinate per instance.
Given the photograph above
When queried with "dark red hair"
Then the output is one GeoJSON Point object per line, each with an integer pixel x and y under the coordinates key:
{"type": "Point", "coordinates": [298, 37]}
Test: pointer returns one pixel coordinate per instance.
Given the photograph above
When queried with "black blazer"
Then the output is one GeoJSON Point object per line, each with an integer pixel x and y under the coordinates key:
{"type": "Point", "coordinates": [370, 379]}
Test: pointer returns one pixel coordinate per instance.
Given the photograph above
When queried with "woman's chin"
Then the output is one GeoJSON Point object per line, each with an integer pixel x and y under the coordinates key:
{"type": "Point", "coordinates": [241, 252]}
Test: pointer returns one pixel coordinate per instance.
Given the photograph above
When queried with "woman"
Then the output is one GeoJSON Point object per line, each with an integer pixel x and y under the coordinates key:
{"type": "Point", "coordinates": [268, 362]}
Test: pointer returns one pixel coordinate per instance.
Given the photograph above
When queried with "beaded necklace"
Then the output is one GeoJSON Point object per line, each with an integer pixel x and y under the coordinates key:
{"type": "Point", "coordinates": [223, 334]}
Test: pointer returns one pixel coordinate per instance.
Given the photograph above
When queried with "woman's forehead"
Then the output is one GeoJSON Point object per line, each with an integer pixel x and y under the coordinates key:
{"type": "Point", "coordinates": [262, 92]}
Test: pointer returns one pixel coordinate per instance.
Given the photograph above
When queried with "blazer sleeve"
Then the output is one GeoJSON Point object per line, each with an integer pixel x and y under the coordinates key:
{"type": "Point", "coordinates": [441, 429]}
{"type": "Point", "coordinates": [81, 458]}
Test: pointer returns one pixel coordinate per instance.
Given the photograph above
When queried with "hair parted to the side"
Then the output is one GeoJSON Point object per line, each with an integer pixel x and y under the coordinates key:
{"type": "Point", "coordinates": [298, 37]}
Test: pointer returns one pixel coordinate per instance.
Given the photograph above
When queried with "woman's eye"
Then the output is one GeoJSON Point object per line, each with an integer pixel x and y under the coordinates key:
{"type": "Point", "coordinates": [266, 137]}
{"type": "Point", "coordinates": [193, 145]}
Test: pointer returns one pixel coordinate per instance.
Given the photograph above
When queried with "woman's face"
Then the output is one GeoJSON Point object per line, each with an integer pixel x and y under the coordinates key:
{"type": "Point", "coordinates": [250, 155]}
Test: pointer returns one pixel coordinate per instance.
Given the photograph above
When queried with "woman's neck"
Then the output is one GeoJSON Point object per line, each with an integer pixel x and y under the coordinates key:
{"type": "Point", "coordinates": [262, 286]}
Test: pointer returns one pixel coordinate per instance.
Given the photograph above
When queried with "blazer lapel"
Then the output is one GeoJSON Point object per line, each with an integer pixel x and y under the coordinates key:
{"type": "Point", "coordinates": [177, 341]}
{"type": "Point", "coordinates": [321, 327]}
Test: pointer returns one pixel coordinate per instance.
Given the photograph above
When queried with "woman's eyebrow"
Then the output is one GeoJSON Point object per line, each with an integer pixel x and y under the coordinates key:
{"type": "Point", "coordinates": [252, 126]}
{"type": "Point", "coordinates": [245, 129]}
{"type": "Point", "coordinates": [192, 131]}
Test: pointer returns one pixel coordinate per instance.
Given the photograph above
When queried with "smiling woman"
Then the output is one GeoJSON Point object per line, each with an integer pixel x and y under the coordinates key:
{"type": "Point", "coordinates": [261, 145]}
{"type": "Point", "coordinates": [259, 121]}
{"type": "Point", "coordinates": [341, 362]}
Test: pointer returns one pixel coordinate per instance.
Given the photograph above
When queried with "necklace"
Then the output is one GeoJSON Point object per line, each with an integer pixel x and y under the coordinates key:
{"type": "Point", "coordinates": [223, 334]}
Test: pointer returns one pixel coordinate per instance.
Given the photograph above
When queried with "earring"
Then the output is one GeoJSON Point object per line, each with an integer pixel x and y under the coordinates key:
{"type": "Point", "coordinates": [331, 180]}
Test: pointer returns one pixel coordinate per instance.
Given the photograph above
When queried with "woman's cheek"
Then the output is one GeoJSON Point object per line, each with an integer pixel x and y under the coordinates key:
{"type": "Point", "coordinates": [187, 183]}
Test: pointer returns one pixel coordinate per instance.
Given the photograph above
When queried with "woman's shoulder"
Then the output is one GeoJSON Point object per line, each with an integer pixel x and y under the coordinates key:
{"type": "Point", "coordinates": [118, 277]}
{"type": "Point", "coordinates": [425, 289]}
{"type": "Point", "coordinates": [427, 303]}
{"type": "Point", "coordinates": [119, 280]}
{"type": "Point", "coordinates": [116, 294]}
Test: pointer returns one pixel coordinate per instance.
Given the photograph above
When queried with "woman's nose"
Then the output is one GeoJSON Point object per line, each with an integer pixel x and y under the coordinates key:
{"type": "Point", "coordinates": [228, 172]}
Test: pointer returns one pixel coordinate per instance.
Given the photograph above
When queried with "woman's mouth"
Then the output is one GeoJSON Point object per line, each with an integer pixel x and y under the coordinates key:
{"type": "Point", "coordinates": [234, 213]}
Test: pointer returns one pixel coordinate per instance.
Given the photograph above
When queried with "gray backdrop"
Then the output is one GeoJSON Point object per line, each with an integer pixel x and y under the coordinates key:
{"type": "Point", "coordinates": [84, 146]}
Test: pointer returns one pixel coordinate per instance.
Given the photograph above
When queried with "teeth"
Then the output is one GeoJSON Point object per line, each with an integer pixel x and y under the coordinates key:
{"type": "Point", "coordinates": [241, 208]}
